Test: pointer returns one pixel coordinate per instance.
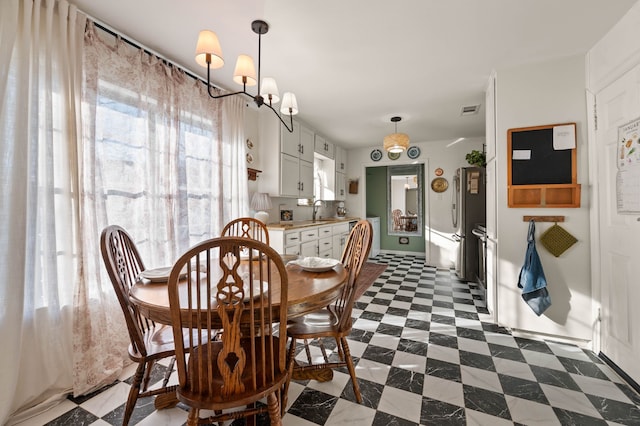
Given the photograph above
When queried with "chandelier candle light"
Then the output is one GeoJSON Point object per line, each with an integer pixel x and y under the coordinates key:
{"type": "Point", "coordinates": [209, 55]}
{"type": "Point", "coordinates": [260, 202]}
{"type": "Point", "coordinates": [396, 142]}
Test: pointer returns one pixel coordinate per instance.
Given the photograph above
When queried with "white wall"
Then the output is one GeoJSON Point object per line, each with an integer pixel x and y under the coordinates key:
{"type": "Point", "coordinates": [530, 95]}
{"type": "Point", "coordinates": [435, 154]}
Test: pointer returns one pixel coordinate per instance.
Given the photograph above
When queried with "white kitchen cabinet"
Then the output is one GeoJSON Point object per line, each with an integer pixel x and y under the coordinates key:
{"type": "Point", "coordinates": [311, 241]}
{"type": "Point", "coordinates": [341, 159]}
{"type": "Point", "coordinates": [341, 186]}
{"type": "Point", "coordinates": [323, 146]}
{"type": "Point", "coordinates": [286, 158]}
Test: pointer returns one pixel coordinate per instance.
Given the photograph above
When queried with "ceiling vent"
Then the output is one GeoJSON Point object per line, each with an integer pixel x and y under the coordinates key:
{"type": "Point", "coordinates": [470, 110]}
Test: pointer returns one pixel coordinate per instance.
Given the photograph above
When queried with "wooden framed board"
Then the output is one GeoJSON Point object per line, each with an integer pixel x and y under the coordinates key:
{"type": "Point", "coordinates": [542, 166]}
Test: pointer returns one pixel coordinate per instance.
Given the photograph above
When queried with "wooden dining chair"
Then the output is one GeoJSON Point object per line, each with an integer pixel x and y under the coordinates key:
{"type": "Point", "coordinates": [247, 227]}
{"type": "Point", "coordinates": [232, 373]}
{"type": "Point", "coordinates": [334, 321]}
{"type": "Point", "coordinates": [396, 214]}
{"type": "Point", "coordinates": [150, 342]}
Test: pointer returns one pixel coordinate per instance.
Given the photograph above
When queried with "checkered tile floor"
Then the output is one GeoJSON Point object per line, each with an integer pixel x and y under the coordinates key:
{"type": "Point", "coordinates": [423, 356]}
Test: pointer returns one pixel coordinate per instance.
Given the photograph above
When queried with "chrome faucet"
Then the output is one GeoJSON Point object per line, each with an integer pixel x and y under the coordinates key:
{"type": "Point", "coordinates": [315, 209]}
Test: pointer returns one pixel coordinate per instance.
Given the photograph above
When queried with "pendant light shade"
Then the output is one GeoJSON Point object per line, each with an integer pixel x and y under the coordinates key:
{"type": "Point", "coordinates": [396, 142]}
{"type": "Point", "coordinates": [245, 72]}
{"type": "Point", "coordinates": [269, 91]}
{"type": "Point", "coordinates": [289, 104]}
{"type": "Point", "coordinates": [208, 50]}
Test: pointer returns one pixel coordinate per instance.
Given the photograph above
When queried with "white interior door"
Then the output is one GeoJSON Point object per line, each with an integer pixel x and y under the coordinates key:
{"type": "Point", "coordinates": [619, 234]}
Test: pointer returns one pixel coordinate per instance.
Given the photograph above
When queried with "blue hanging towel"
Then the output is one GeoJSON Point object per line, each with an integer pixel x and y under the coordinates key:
{"type": "Point", "coordinates": [532, 280]}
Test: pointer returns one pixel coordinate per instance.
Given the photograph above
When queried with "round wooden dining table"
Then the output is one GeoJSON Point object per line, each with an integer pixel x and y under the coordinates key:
{"type": "Point", "coordinates": [307, 292]}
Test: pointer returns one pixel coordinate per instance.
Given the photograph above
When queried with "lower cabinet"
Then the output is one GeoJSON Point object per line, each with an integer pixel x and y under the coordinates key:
{"type": "Point", "coordinates": [312, 241]}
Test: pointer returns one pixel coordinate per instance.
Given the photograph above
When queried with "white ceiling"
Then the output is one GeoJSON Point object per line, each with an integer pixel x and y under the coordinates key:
{"type": "Point", "coordinates": [353, 64]}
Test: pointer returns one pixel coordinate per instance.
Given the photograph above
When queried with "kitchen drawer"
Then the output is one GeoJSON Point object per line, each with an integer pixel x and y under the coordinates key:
{"type": "Point", "coordinates": [325, 231]}
{"type": "Point", "coordinates": [309, 234]}
{"type": "Point", "coordinates": [291, 238]}
{"type": "Point", "coordinates": [327, 254]}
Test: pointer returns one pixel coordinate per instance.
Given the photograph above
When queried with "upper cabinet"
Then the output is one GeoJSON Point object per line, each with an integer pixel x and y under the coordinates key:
{"type": "Point", "coordinates": [324, 147]}
{"type": "Point", "coordinates": [341, 159]}
{"type": "Point", "coordinates": [287, 158]}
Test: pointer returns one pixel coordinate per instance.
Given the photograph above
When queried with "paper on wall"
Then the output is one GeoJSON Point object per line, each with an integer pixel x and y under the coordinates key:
{"type": "Point", "coordinates": [521, 154]}
{"type": "Point", "coordinates": [564, 137]}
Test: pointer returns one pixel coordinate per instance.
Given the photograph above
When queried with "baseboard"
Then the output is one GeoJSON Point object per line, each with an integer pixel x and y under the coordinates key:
{"type": "Point", "coordinates": [624, 376]}
{"type": "Point", "coordinates": [402, 252]}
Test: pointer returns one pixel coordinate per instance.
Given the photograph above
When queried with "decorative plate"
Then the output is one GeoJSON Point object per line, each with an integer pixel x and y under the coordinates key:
{"type": "Point", "coordinates": [393, 155]}
{"type": "Point", "coordinates": [161, 274]}
{"type": "Point", "coordinates": [249, 158]}
{"type": "Point", "coordinates": [439, 184]}
{"type": "Point", "coordinates": [316, 264]}
{"type": "Point", "coordinates": [376, 155]}
{"type": "Point", "coordinates": [249, 144]}
{"type": "Point", "coordinates": [439, 171]}
{"type": "Point", "coordinates": [413, 152]}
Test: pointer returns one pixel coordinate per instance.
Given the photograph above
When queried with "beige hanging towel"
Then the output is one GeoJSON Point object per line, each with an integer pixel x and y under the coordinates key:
{"type": "Point", "coordinates": [557, 240]}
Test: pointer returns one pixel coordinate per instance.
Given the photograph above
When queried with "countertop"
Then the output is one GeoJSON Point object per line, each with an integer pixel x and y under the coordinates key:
{"type": "Point", "coordinates": [307, 223]}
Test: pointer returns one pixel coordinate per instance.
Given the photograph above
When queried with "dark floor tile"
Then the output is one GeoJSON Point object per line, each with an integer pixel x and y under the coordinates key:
{"type": "Point", "coordinates": [470, 333]}
{"type": "Point", "coordinates": [371, 393]}
{"type": "Point", "coordinates": [554, 377]}
{"type": "Point", "coordinates": [398, 312]}
{"type": "Point", "coordinates": [385, 419]}
{"type": "Point", "coordinates": [616, 411]}
{"type": "Point", "coordinates": [570, 418]}
{"type": "Point", "coordinates": [444, 370]}
{"type": "Point", "coordinates": [582, 368]}
{"type": "Point", "coordinates": [506, 352]}
{"type": "Point", "coordinates": [379, 354]}
{"type": "Point", "coordinates": [443, 319]}
{"type": "Point", "coordinates": [406, 380]}
{"type": "Point", "coordinates": [417, 324]}
{"type": "Point", "coordinates": [533, 345]}
{"type": "Point", "coordinates": [441, 304]}
{"type": "Point", "coordinates": [472, 359]}
{"type": "Point", "coordinates": [388, 329]}
{"type": "Point", "coordinates": [521, 388]}
{"type": "Point", "coordinates": [77, 416]}
{"type": "Point", "coordinates": [313, 406]}
{"type": "Point", "coordinates": [373, 316]}
{"type": "Point", "coordinates": [486, 401]}
{"type": "Point", "coordinates": [443, 340]}
{"type": "Point", "coordinates": [436, 412]}
{"type": "Point", "coordinates": [413, 347]}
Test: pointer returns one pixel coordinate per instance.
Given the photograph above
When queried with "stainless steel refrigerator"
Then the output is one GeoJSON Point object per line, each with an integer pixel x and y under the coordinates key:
{"type": "Point", "coordinates": [468, 212]}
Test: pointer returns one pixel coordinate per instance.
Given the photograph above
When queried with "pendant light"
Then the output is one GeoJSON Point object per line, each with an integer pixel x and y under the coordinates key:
{"type": "Point", "coordinates": [396, 142]}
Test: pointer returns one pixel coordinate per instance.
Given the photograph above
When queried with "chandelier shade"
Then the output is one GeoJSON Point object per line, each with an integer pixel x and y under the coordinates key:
{"type": "Point", "coordinates": [208, 50]}
{"type": "Point", "coordinates": [270, 90]}
{"type": "Point", "coordinates": [396, 142]}
{"type": "Point", "coordinates": [209, 55]}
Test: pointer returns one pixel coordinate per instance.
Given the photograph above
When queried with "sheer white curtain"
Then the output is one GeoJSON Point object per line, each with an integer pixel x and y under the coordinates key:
{"type": "Point", "coordinates": [91, 134]}
{"type": "Point", "coordinates": [39, 78]}
{"type": "Point", "coordinates": [159, 158]}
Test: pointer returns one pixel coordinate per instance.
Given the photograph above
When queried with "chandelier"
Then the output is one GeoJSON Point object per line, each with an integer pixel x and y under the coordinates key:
{"type": "Point", "coordinates": [209, 54]}
{"type": "Point", "coordinates": [396, 142]}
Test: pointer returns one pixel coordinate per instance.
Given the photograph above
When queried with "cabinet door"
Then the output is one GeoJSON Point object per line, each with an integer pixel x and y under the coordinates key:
{"type": "Point", "coordinates": [323, 147]}
{"type": "Point", "coordinates": [306, 145]}
{"type": "Point", "coordinates": [325, 247]}
{"type": "Point", "coordinates": [289, 172]}
{"type": "Point", "coordinates": [309, 249]}
{"type": "Point", "coordinates": [290, 141]}
{"type": "Point", "coordinates": [341, 186]}
{"type": "Point", "coordinates": [341, 159]}
{"type": "Point", "coordinates": [305, 176]}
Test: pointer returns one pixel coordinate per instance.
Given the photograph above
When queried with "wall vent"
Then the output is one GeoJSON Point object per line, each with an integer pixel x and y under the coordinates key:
{"type": "Point", "coordinates": [470, 109]}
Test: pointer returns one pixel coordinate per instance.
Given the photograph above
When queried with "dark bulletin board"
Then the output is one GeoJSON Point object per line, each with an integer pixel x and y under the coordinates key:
{"type": "Point", "coordinates": [546, 166]}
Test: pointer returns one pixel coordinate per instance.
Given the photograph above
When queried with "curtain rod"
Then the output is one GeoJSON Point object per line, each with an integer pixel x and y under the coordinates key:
{"type": "Point", "coordinates": [146, 50]}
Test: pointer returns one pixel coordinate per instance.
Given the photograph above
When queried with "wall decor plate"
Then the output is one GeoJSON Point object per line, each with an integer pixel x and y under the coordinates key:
{"type": "Point", "coordinates": [249, 144]}
{"type": "Point", "coordinates": [439, 184]}
{"type": "Point", "coordinates": [439, 172]}
{"type": "Point", "coordinates": [393, 155]}
{"type": "Point", "coordinates": [413, 152]}
{"type": "Point", "coordinates": [249, 158]}
{"type": "Point", "coordinates": [376, 155]}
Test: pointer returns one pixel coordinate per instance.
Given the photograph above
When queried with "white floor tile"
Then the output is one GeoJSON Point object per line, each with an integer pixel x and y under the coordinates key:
{"type": "Point", "coordinates": [443, 390]}
{"type": "Point", "coordinates": [569, 400]}
{"type": "Point", "coordinates": [401, 403]}
{"type": "Point", "coordinates": [531, 413]}
{"type": "Point", "coordinates": [480, 378]}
